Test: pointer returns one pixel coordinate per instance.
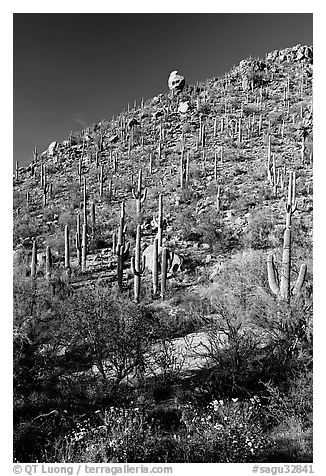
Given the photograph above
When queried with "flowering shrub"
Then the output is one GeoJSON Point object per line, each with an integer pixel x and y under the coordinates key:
{"type": "Point", "coordinates": [221, 432]}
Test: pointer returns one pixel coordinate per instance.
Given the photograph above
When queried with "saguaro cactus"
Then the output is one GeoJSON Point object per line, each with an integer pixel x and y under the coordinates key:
{"type": "Point", "coordinates": [48, 262]}
{"type": "Point", "coordinates": [93, 219]}
{"type": "Point", "coordinates": [120, 248]}
{"type": "Point", "coordinates": [139, 195]}
{"type": "Point", "coordinates": [101, 181]}
{"type": "Point", "coordinates": [84, 247]}
{"type": "Point", "coordinates": [85, 204]}
{"type": "Point", "coordinates": [159, 222]}
{"type": "Point", "coordinates": [291, 204]}
{"type": "Point", "coordinates": [155, 267]}
{"type": "Point", "coordinates": [218, 199]}
{"type": "Point", "coordinates": [137, 265]}
{"type": "Point", "coordinates": [182, 170]}
{"type": "Point", "coordinates": [34, 260]}
{"type": "Point", "coordinates": [274, 177]}
{"type": "Point", "coordinates": [283, 289]}
{"type": "Point", "coordinates": [67, 249]}
{"type": "Point", "coordinates": [187, 168]}
{"type": "Point", "coordinates": [164, 271]}
{"type": "Point", "coordinates": [80, 170]}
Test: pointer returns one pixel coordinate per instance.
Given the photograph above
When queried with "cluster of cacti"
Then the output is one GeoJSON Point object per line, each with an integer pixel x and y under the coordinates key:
{"type": "Point", "coordinates": [283, 287]}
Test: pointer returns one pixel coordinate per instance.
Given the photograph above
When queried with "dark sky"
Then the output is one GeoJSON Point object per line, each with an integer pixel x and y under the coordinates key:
{"type": "Point", "coordinates": [76, 69]}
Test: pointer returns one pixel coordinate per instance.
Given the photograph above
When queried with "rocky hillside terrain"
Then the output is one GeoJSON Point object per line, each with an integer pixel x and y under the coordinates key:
{"type": "Point", "coordinates": [194, 206]}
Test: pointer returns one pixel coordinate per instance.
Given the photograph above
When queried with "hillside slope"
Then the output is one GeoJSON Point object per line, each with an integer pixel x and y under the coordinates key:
{"type": "Point", "coordinates": [276, 106]}
{"type": "Point", "coordinates": [90, 329]}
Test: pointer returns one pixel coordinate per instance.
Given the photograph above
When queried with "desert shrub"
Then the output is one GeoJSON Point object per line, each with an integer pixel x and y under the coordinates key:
{"type": "Point", "coordinates": [27, 226]}
{"type": "Point", "coordinates": [259, 232]}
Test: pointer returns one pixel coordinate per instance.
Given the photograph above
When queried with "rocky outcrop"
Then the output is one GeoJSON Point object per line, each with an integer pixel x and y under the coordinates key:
{"type": "Point", "coordinates": [176, 82]}
{"type": "Point", "coordinates": [302, 53]}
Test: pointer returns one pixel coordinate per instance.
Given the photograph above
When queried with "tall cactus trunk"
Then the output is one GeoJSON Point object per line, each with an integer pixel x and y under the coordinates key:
{"type": "Point", "coordinates": [67, 250]}
{"type": "Point", "coordinates": [164, 271]}
{"type": "Point", "coordinates": [286, 266]}
{"type": "Point", "coordinates": [155, 267]}
{"type": "Point", "coordinates": [48, 263]}
{"type": "Point", "coordinates": [137, 265]}
{"type": "Point", "coordinates": [84, 248]}
{"type": "Point", "coordinates": [34, 260]}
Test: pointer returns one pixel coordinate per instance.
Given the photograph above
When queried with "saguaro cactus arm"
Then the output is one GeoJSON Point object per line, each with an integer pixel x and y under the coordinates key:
{"type": "Point", "coordinates": [300, 280]}
{"type": "Point", "coordinates": [272, 275]}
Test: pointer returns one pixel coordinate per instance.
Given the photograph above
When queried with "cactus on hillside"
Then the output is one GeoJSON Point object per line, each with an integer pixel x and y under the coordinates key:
{"type": "Point", "coordinates": [137, 265]}
{"type": "Point", "coordinates": [101, 180]}
{"type": "Point", "coordinates": [283, 288]}
{"type": "Point", "coordinates": [291, 204]}
{"type": "Point", "coordinates": [139, 195]}
{"type": "Point", "coordinates": [84, 248]}
{"type": "Point", "coordinates": [93, 219]}
{"type": "Point", "coordinates": [48, 262]}
{"type": "Point", "coordinates": [85, 203]}
{"type": "Point", "coordinates": [34, 260]}
{"type": "Point", "coordinates": [159, 222]}
{"type": "Point", "coordinates": [67, 249]}
{"type": "Point", "coordinates": [155, 267]}
{"type": "Point", "coordinates": [119, 247]}
{"type": "Point", "coordinates": [218, 199]}
{"type": "Point", "coordinates": [164, 271]}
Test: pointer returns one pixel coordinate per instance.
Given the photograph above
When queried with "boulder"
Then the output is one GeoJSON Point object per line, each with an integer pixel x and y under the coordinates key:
{"type": "Point", "coordinates": [52, 148]}
{"type": "Point", "coordinates": [175, 265]}
{"type": "Point", "coordinates": [176, 82]}
{"type": "Point", "coordinates": [183, 107]}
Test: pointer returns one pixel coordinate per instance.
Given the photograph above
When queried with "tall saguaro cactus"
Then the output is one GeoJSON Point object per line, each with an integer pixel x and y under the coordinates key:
{"type": "Point", "coordinates": [137, 265]}
{"type": "Point", "coordinates": [78, 240]}
{"type": "Point", "coordinates": [67, 249]}
{"type": "Point", "coordinates": [291, 204]}
{"type": "Point", "coordinates": [159, 222]}
{"type": "Point", "coordinates": [120, 248]}
{"type": "Point", "coordinates": [164, 271]}
{"type": "Point", "coordinates": [140, 194]}
{"type": "Point", "coordinates": [155, 267]}
{"type": "Point", "coordinates": [85, 204]}
{"type": "Point", "coordinates": [84, 248]}
{"type": "Point", "coordinates": [283, 287]}
{"type": "Point", "coordinates": [48, 262]}
{"type": "Point", "coordinates": [218, 199]}
{"type": "Point", "coordinates": [34, 260]}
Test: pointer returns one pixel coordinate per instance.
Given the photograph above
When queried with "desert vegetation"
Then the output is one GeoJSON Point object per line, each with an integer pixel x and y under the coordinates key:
{"type": "Point", "coordinates": [163, 278]}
